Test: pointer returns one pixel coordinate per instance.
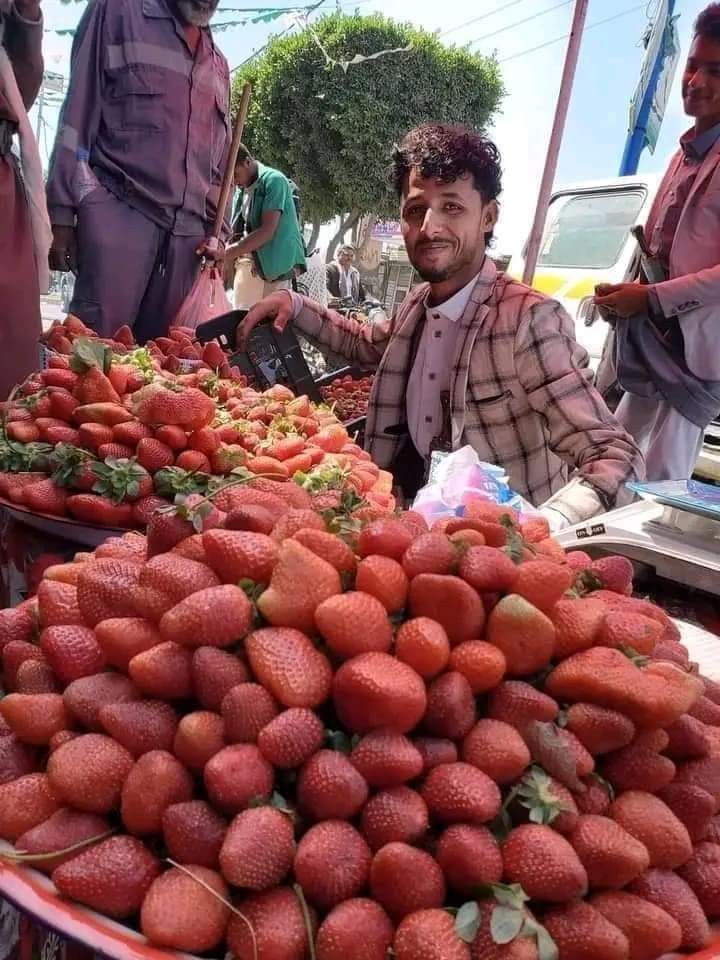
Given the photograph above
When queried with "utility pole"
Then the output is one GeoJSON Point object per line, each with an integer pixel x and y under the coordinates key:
{"type": "Point", "coordinates": [551, 160]}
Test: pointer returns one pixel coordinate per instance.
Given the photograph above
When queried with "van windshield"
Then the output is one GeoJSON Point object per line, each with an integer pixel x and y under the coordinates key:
{"type": "Point", "coordinates": [589, 230]}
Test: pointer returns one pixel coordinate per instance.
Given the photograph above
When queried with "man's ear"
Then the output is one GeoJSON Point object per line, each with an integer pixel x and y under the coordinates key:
{"type": "Point", "coordinates": [491, 212]}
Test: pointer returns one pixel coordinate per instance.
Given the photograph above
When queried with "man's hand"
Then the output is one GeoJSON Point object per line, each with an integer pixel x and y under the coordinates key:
{"type": "Point", "coordinates": [63, 252]}
{"type": "Point", "coordinates": [622, 299]}
{"type": "Point", "coordinates": [212, 249]}
{"type": "Point", "coordinates": [277, 307]}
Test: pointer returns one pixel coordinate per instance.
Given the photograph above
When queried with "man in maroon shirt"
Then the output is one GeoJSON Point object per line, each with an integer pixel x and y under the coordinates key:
{"type": "Point", "coordinates": [21, 37]}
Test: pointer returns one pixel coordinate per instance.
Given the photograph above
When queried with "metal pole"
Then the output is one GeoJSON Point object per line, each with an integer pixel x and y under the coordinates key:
{"type": "Point", "coordinates": [566, 84]}
{"type": "Point", "coordinates": [40, 103]}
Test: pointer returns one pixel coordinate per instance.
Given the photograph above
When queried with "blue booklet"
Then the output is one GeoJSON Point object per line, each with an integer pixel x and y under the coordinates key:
{"type": "Point", "coordinates": [690, 495]}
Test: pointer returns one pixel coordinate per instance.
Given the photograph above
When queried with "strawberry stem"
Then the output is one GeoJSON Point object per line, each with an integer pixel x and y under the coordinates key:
{"type": "Point", "coordinates": [299, 893]}
{"type": "Point", "coordinates": [18, 857]}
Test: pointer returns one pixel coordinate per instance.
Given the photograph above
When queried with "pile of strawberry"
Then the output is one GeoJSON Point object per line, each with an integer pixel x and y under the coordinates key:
{"type": "Point", "coordinates": [108, 437]}
{"type": "Point", "coordinates": [326, 731]}
{"type": "Point", "coordinates": [348, 396]}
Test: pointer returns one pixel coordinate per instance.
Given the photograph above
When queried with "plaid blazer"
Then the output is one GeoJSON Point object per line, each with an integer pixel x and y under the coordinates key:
{"type": "Point", "coordinates": [521, 390]}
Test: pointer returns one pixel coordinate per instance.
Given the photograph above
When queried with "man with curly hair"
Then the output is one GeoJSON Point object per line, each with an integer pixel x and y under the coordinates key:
{"type": "Point", "coordinates": [471, 356]}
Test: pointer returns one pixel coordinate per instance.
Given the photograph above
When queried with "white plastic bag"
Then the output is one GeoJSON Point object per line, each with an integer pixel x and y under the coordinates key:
{"type": "Point", "coordinates": [206, 300]}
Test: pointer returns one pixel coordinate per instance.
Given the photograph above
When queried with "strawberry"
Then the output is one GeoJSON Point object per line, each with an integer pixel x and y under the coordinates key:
{"type": "Point", "coordinates": [58, 604]}
{"type": "Point", "coordinates": [92, 436]}
{"type": "Point", "coordinates": [140, 726]}
{"type": "Point", "coordinates": [299, 583]}
{"type": "Point", "coordinates": [596, 797]}
{"type": "Point", "coordinates": [611, 856]}
{"type": "Point", "coordinates": [469, 857]}
{"type": "Point", "coordinates": [258, 849]}
{"type": "Point", "coordinates": [154, 455]}
{"type": "Point", "coordinates": [386, 759]}
{"type": "Point", "coordinates": [272, 926]}
{"type": "Point", "coordinates": [232, 498]}
{"type": "Point", "coordinates": [542, 583]}
{"type": "Point", "coordinates": [435, 751]}
{"type": "Point", "coordinates": [613, 573]}
{"type": "Point", "coordinates": [429, 935]}
{"type": "Point", "coordinates": [214, 673]}
{"type": "Point", "coordinates": [702, 875]}
{"type": "Point", "coordinates": [423, 644]}
{"type": "Point", "coordinates": [88, 772]}
{"type": "Point", "coordinates": [94, 387]}
{"type": "Point", "coordinates": [112, 877]}
{"type": "Point", "coordinates": [651, 822]}
{"type": "Point", "coordinates": [621, 628]}
{"type": "Point", "coordinates": [543, 863]}
{"type": "Point", "coordinates": [109, 414]}
{"type": "Point", "coordinates": [459, 793]}
{"type": "Point", "coordinates": [218, 616]}
{"type": "Point", "coordinates": [103, 587]}
{"type": "Point", "coordinates": [497, 749]}
{"type": "Point", "coordinates": [130, 433]}
{"type": "Point", "coordinates": [359, 928]}
{"type": "Point", "coordinates": [172, 525]}
{"type": "Point", "coordinates": [125, 336]}
{"type": "Point", "coordinates": [46, 497]}
{"type": "Point", "coordinates": [429, 553]}
{"type": "Point", "coordinates": [704, 773]}
{"type": "Point", "coordinates": [353, 623]}
{"type": "Point", "coordinates": [450, 708]}
{"type": "Point", "coordinates": [237, 775]}
{"type": "Point", "coordinates": [390, 868]}
{"type": "Point", "coordinates": [84, 698]}
{"type": "Point", "coordinates": [180, 914]}
{"type": "Point", "coordinates": [542, 799]}
{"type": "Point", "coordinates": [72, 652]}
{"type": "Point", "coordinates": [25, 803]}
{"type": "Point", "coordinates": [488, 570]}
{"type": "Point", "coordinates": [705, 711]}
{"type": "Point", "coordinates": [193, 833]}
{"type": "Point", "coordinates": [22, 432]}
{"type": "Point", "coordinates": [18, 624]}
{"type": "Point", "coordinates": [200, 735]}
{"type": "Point", "coordinates": [98, 511]}
{"type": "Point", "coordinates": [599, 730]}
{"type": "Point", "coordinates": [482, 664]}
{"type": "Point", "coordinates": [34, 718]}
{"type": "Point", "coordinates": [177, 576]}
{"type": "Point", "coordinates": [195, 462]}
{"type": "Point", "coordinates": [332, 863]}
{"type": "Point", "coordinates": [36, 676]}
{"type": "Point", "coordinates": [637, 768]}
{"type": "Point", "coordinates": [61, 830]}
{"type": "Point", "coordinates": [163, 671]}
{"type": "Point", "coordinates": [240, 555]}
{"type": "Point", "coordinates": [650, 931]}
{"type": "Point", "coordinates": [692, 805]}
{"type": "Point", "coordinates": [172, 436]}
{"type": "Point", "coordinates": [204, 440]}
{"type": "Point", "coordinates": [580, 930]}
{"type": "Point", "coordinates": [14, 654]}
{"type": "Point", "coordinates": [156, 781]}
{"type": "Point", "coordinates": [161, 403]}
{"type": "Point", "coordinates": [329, 547]}
{"type": "Point", "coordinates": [578, 624]}
{"type": "Point", "coordinates": [385, 538]}
{"type": "Point", "coordinates": [522, 947]}
{"type": "Point", "coordinates": [330, 788]}
{"type": "Point", "coordinates": [122, 638]}
{"type": "Point", "coordinates": [671, 893]}
{"type": "Point", "coordinates": [246, 709]}
{"type": "Point", "coordinates": [291, 738]}
{"type": "Point", "coordinates": [256, 519]}
{"type": "Point", "coordinates": [399, 814]}
{"type": "Point", "coordinates": [62, 404]}
{"type": "Point", "coordinates": [376, 690]}
{"type": "Point", "coordinates": [385, 580]}
{"type": "Point", "coordinates": [523, 633]}
{"type": "Point", "coordinates": [64, 378]}
{"type": "Point", "coordinates": [213, 354]}
{"type": "Point", "coordinates": [16, 759]}
{"type": "Point", "coordinates": [287, 664]}
{"type": "Point", "coordinates": [63, 736]}
{"type": "Point", "coordinates": [450, 601]}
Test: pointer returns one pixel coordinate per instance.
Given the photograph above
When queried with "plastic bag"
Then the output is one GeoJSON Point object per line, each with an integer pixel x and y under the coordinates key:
{"type": "Point", "coordinates": [206, 300]}
{"type": "Point", "coordinates": [461, 478]}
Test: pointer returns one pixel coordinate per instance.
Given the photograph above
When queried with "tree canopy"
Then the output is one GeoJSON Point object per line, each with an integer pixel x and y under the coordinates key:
{"type": "Point", "coordinates": [331, 127]}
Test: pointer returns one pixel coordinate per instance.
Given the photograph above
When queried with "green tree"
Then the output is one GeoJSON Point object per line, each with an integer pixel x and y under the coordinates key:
{"type": "Point", "coordinates": [331, 128]}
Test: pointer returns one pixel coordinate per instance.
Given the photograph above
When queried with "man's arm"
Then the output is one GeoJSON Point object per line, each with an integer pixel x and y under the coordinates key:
{"type": "Point", "coordinates": [23, 44]}
{"type": "Point", "coordinates": [553, 369]}
{"type": "Point", "coordinates": [684, 294]}
{"type": "Point", "coordinates": [256, 239]}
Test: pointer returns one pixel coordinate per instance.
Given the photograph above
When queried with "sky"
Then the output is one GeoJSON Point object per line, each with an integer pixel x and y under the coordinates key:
{"type": "Point", "coordinates": [608, 70]}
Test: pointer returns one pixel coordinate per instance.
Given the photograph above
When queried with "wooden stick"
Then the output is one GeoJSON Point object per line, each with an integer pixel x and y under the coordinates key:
{"type": "Point", "coordinates": [228, 181]}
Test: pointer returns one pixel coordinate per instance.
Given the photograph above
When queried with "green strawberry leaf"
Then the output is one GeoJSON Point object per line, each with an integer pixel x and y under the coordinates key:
{"type": "Point", "coordinates": [89, 353]}
{"type": "Point", "coordinates": [467, 921]}
{"type": "Point", "coordinates": [338, 740]}
{"type": "Point", "coordinates": [547, 948]}
{"type": "Point", "coordinates": [505, 924]}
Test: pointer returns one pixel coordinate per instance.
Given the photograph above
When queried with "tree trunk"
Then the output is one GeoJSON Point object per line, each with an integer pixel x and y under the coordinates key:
{"type": "Point", "coordinates": [346, 223]}
{"type": "Point", "coordinates": [312, 242]}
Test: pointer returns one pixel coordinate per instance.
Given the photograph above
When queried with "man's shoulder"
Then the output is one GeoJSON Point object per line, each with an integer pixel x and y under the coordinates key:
{"type": "Point", "coordinates": [516, 296]}
{"type": "Point", "coordinates": [270, 175]}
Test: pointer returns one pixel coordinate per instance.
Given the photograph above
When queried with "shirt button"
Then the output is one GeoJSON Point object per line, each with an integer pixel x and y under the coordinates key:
{"type": "Point", "coordinates": [436, 316]}
{"type": "Point", "coordinates": [428, 419]}
{"type": "Point", "coordinates": [431, 376]}
{"type": "Point", "coordinates": [437, 334]}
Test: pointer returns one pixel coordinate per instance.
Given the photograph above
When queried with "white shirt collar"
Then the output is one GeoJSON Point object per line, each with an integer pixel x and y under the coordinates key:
{"type": "Point", "coordinates": [453, 308]}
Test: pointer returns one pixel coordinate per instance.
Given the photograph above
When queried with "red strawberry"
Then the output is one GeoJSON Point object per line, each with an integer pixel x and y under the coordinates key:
{"type": "Point", "coordinates": [614, 573]}
{"type": "Point", "coordinates": [16, 759]}
{"type": "Point", "coordinates": [130, 433]}
{"type": "Point", "coordinates": [469, 857]}
{"type": "Point", "coordinates": [598, 729]}
{"type": "Point", "coordinates": [543, 863]}
{"type": "Point", "coordinates": [611, 856]}
{"type": "Point", "coordinates": [238, 555]}
{"type": "Point", "coordinates": [287, 664]}
{"type": "Point", "coordinates": [62, 434]}
{"type": "Point", "coordinates": [155, 782]}
{"type": "Point", "coordinates": [332, 863]}
{"type": "Point", "coordinates": [692, 805]}
{"type": "Point", "coordinates": [300, 582]}
{"type": "Point", "coordinates": [330, 788]}
{"type": "Point", "coordinates": [671, 893]}
{"type": "Point", "coordinates": [185, 407]}
{"type": "Point", "coordinates": [651, 822]}
{"type": "Point", "coordinates": [246, 709]}
{"type": "Point", "coordinates": [273, 927]}
{"type": "Point", "coordinates": [482, 664]}
{"type": "Point", "coordinates": [172, 436]}
{"type": "Point", "coordinates": [22, 432]}
{"type": "Point", "coordinates": [580, 930]}
{"type": "Point", "coordinates": [357, 928]}
{"type": "Point", "coordinates": [237, 775]}
{"type": "Point", "coordinates": [163, 671]}
{"type": "Point", "coordinates": [386, 759]}
{"type": "Point", "coordinates": [122, 638]}
{"type": "Point", "coordinates": [154, 455]}
{"type": "Point", "coordinates": [146, 507]}
{"type": "Point", "coordinates": [14, 654]}
{"type": "Point", "coordinates": [214, 673]}
{"type": "Point", "coordinates": [385, 580]}
{"type": "Point", "coordinates": [702, 875]}
{"type": "Point", "coordinates": [16, 623]}
{"type": "Point", "coordinates": [92, 436]}
{"type": "Point", "coordinates": [450, 709]}
{"type": "Point", "coordinates": [353, 623]}
{"type": "Point", "coordinates": [450, 601]}
{"type": "Point", "coordinates": [194, 461]}
{"type": "Point", "coordinates": [399, 814]}
{"type": "Point", "coordinates": [193, 833]}
{"type": "Point", "coordinates": [34, 718]}
{"type": "Point", "coordinates": [99, 511]}
{"type": "Point", "coordinates": [258, 849]}
{"type": "Point", "coordinates": [104, 587]}
{"type": "Point", "coordinates": [429, 935]}
{"type": "Point", "coordinates": [386, 538]}
{"type": "Point", "coordinates": [253, 519]}
{"type": "Point", "coordinates": [376, 690]}
{"type": "Point", "coordinates": [181, 914]}
{"type": "Point", "coordinates": [112, 877]}
{"type": "Point", "coordinates": [72, 652]}
{"type": "Point", "coordinates": [523, 633]}
{"type": "Point", "coordinates": [88, 772]}
{"type": "Point", "coordinates": [518, 703]}
{"type": "Point", "coordinates": [459, 793]}
{"type": "Point", "coordinates": [102, 412]}
{"type": "Point", "coordinates": [84, 698]}
{"type": "Point", "coordinates": [218, 616]}
{"type": "Point", "coordinates": [45, 497]}
{"type": "Point", "coordinates": [637, 768]}
{"type": "Point", "coordinates": [651, 932]}
{"type": "Point", "coordinates": [497, 749]}
{"type": "Point", "coordinates": [331, 548]}
{"type": "Point", "coordinates": [389, 872]}
{"type": "Point", "coordinates": [62, 830]}
{"type": "Point", "coordinates": [36, 676]}
{"type": "Point", "coordinates": [140, 726]}
{"type": "Point", "coordinates": [115, 451]}
{"type": "Point", "coordinates": [62, 404]}
{"type": "Point", "coordinates": [429, 553]}
{"type": "Point", "coordinates": [64, 378]}
{"type": "Point", "coordinates": [57, 604]}
{"type": "Point", "coordinates": [177, 576]}
{"type": "Point", "coordinates": [200, 735]}
{"type": "Point", "coordinates": [25, 803]}
{"type": "Point", "coordinates": [435, 751]}
{"type": "Point", "coordinates": [423, 644]}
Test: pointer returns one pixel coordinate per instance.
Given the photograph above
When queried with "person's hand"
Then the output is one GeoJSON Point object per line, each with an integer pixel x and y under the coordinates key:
{"type": "Point", "coordinates": [212, 249]}
{"type": "Point", "coordinates": [278, 307]}
{"type": "Point", "coordinates": [27, 9]}
{"type": "Point", "coordinates": [63, 252]}
{"type": "Point", "coordinates": [622, 299]}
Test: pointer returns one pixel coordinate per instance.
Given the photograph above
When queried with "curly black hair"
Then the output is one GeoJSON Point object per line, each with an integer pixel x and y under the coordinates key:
{"type": "Point", "coordinates": [708, 23]}
{"type": "Point", "coordinates": [445, 152]}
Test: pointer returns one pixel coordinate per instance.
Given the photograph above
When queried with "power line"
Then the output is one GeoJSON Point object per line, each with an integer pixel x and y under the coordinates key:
{"type": "Point", "coordinates": [598, 23]}
{"type": "Point", "coordinates": [484, 16]}
{"type": "Point", "coordinates": [519, 23]}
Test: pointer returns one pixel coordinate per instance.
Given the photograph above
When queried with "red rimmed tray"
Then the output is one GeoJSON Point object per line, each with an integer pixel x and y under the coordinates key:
{"type": "Point", "coordinates": [66, 528]}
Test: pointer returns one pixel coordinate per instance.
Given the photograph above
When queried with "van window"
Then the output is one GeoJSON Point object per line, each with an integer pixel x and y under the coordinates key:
{"type": "Point", "coordinates": [589, 230]}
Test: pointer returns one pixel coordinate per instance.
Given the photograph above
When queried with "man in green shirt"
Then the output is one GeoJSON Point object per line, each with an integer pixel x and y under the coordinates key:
{"type": "Point", "coordinates": [266, 222]}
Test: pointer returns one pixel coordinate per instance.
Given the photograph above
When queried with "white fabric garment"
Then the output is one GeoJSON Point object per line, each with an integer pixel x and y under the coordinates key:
{"type": "Point", "coordinates": [31, 167]}
{"type": "Point", "coordinates": [345, 284]}
{"type": "Point", "coordinates": [430, 374]}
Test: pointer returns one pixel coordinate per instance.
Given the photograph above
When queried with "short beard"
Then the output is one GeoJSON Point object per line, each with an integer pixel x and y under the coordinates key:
{"type": "Point", "coordinates": [192, 15]}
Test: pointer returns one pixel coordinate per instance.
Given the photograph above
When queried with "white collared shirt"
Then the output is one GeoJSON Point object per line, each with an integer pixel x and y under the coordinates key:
{"type": "Point", "coordinates": [430, 374]}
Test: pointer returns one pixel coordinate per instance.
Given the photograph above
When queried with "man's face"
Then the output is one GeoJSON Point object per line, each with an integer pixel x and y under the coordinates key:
{"type": "Point", "coordinates": [345, 258]}
{"type": "Point", "coordinates": [198, 13]}
{"type": "Point", "coordinates": [444, 225]}
{"type": "Point", "coordinates": [243, 173]}
{"type": "Point", "coordinates": [701, 81]}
